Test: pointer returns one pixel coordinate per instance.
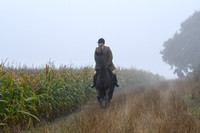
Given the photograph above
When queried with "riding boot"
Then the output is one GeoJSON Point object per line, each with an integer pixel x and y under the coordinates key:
{"type": "Point", "coordinates": [94, 81]}
{"type": "Point", "coordinates": [115, 80]}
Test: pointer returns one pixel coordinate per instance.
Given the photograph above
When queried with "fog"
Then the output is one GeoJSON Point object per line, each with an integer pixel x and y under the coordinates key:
{"type": "Point", "coordinates": [67, 31]}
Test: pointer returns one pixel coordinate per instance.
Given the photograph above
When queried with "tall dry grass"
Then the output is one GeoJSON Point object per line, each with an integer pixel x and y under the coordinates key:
{"type": "Point", "coordinates": [159, 108]}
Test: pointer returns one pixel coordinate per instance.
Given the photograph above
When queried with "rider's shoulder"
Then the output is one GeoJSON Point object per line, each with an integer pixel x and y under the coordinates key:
{"type": "Point", "coordinates": [107, 48]}
{"type": "Point", "coordinates": [97, 49]}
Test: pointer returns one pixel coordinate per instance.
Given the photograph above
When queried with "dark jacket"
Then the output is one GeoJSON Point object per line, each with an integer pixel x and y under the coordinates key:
{"type": "Point", "coordinates": [104, 58]}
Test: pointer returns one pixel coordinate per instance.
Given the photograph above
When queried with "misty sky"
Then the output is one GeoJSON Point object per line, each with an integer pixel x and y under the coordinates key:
{"type": "Point", "coordinates": [66, 31]}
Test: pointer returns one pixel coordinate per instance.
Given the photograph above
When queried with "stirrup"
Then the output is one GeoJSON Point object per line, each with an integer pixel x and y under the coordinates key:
{"type": "Point", "coordinates": [93, 85]}
{"type": "Point", "coordinates": [117, 84]}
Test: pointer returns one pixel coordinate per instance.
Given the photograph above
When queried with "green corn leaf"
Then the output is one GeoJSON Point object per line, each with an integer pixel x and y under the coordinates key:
{"type": "Point", "coordinates": [3, 124]}
{"type": "Point", "coordinates": [4, 101]}
{"type": "Point", "coordinates": [29, 121]}
{"type": "Point", "coordinates": [30, 98]}
{"type": "Point", "coordinates": [29, 114]}
{"type": "Point", "coordinates": [7, 118]}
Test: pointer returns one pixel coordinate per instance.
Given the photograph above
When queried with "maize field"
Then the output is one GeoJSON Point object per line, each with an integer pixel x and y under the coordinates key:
{"type": "Point", "coordinates": [31, 95]}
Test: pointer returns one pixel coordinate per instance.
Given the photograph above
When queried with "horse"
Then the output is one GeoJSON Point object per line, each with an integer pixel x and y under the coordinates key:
{"type": "Point", "coordinates": [104, 86]}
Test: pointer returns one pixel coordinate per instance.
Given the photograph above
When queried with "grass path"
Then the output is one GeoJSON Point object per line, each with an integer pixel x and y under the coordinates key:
{"type": "Point", "coordinates": [145, 109]}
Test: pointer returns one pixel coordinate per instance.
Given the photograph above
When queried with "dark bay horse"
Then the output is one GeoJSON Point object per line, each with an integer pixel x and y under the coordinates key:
{"type": "Point", "coordinates": [104, 80]}
{"type": "Point", "coordinates": [104, 86]}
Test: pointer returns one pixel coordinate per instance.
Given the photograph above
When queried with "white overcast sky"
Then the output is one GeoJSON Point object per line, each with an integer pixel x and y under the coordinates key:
{"type": "Point", "coordinates": [66, 31]}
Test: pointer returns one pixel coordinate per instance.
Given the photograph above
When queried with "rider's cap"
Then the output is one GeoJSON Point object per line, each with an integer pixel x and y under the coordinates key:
{"type": "Point", "coordinates": [101, 40]}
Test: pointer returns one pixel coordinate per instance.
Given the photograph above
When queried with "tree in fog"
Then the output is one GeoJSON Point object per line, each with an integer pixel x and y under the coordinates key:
{"type": "Point", "coordinates": [182, 51]}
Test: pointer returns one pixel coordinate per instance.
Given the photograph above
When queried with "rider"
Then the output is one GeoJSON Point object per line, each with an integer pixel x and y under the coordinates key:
{"type": "Point", "coordinates": [106, 52]}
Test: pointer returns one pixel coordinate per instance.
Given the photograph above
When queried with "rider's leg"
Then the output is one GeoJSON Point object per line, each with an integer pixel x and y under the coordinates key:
{"type": "Point", "coordinates": [115, 78]}
{"type": "Point", "coordinates": [94, 80]}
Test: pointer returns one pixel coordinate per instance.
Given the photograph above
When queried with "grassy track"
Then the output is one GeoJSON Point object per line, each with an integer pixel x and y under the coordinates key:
{"type": "Point", "coordinates": [165, 107]}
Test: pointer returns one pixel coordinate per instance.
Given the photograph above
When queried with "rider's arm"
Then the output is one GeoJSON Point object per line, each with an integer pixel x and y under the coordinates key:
{"type": "Point", "coordinates": [95, 56]}
{"type": "Point", "coordinates": [110, 56]}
